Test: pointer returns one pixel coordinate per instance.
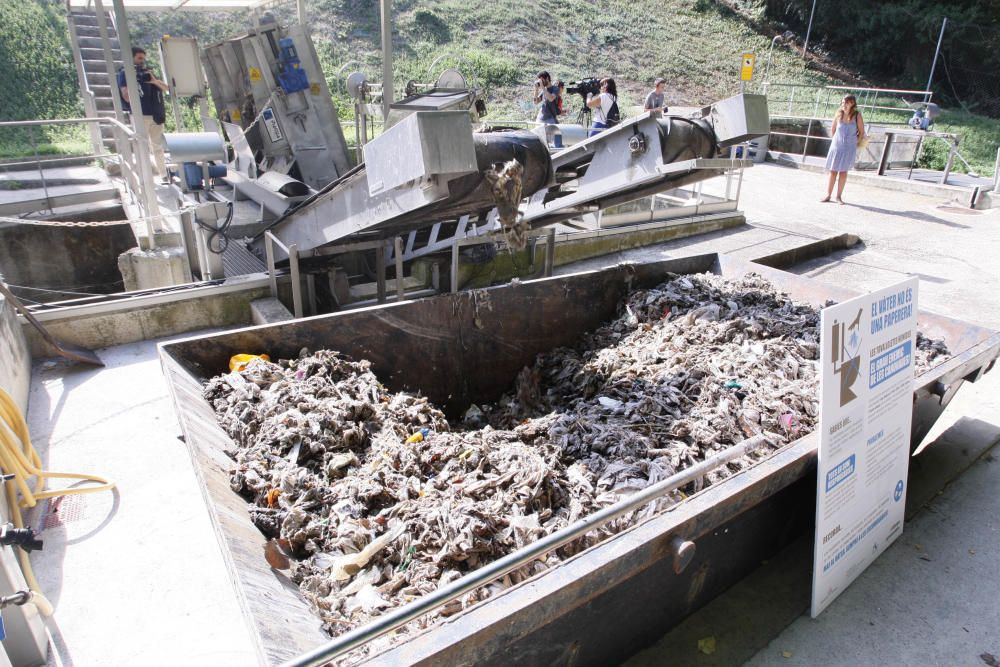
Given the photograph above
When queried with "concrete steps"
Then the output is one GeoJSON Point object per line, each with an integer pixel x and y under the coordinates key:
{"type": "Point", "coordinates": [97, 66]}
{"type": "Point", "coordinates": [92, 69]}
{"type": "Point", "coordinates": [98, 54]}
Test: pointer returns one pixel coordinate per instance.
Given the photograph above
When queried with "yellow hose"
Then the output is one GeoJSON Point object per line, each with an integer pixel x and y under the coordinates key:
{"type": "Point", "coordinates": [18, 457]}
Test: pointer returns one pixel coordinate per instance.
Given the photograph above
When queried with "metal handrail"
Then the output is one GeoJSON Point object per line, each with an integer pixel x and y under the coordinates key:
{"type": "Point", "coordinates": [896, 91]}
{"type": "Point", "coordinates": [68, 121]}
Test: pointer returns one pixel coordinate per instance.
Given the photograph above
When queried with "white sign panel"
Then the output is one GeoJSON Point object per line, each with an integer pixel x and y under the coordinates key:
{"type": "Point", "coordinates": [181, 65]}
{"type": "Point", "coordinates": [271, 125]}
{"type": "Point", "coordinates": [866, 406]}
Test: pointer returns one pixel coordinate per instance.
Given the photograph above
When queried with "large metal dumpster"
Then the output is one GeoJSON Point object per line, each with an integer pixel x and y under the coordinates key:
{"type": "Point", "coordinates": [603, 604]}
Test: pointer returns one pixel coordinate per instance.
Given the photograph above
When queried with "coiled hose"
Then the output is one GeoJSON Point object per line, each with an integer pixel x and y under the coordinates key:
{"type": "Point", "coordinates": [18, 457]}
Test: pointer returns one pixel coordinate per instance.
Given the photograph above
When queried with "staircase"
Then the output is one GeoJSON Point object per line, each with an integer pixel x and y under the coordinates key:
{"type": "Point", "coordinates": [96, 85]}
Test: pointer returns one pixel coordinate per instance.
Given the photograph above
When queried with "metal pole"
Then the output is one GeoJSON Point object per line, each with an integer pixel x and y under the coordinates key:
{"type": "Point", "coordinates": [805, 46]}
{"type": "Point", "coordinates": [936, 52]}
{"type": "Point", "coordinates": [380, 273]}
{"type": "Point", "coordinates": [269, 253]}
{"type": "Point", "coordinates": [550, 250]}
{"type": "Point", "coordinates": [386, 57]}
{"type": "Point", "coordinates": [498, 568]}
{"type": "Point", "coordinates": [996, 173]}
{"type": "Point", "coordinates": [300, 7]}
{"type": "Point", "coordinates": [767, 67]}
{"type": "Point", "coordinates": [293, 266]}
{"type": "Point", "coordinates": [145, 169]}
{"type": "Point", "coordinates": [397, 253]}
{"type": "Point", "coordinates": [38, 163]}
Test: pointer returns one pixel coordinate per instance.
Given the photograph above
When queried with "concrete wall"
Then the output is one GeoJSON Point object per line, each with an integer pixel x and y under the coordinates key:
{"type": "Point", "coordinates": [72, 258]}
{"type": "Point", "coordinates": [204, 309]}
{"type": "Point", "coordinates": [15, 361]}
{"type": "Point", "coordinates": [508, 265]}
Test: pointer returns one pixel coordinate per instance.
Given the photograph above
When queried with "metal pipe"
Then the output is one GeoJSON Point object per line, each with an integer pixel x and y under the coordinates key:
{"type": "Point", "coordinates": [805, 46]}
{"type": "Point", "coordinates": [937, 51]}
{"type": "Point", "coordinates": [498, 568]}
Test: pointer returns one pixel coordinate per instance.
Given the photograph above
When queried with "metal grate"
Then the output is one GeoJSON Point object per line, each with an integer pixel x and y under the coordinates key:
{"type": "Point", "coordinates": [238, 261]}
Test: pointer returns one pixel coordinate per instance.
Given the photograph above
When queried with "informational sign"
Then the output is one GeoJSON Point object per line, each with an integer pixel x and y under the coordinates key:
{"type": "Point", "coordinates": [255, 75]}
{"type": "Point", "coordinates": [866, 408]}
{"type": "Point", "coordinates": [271, 125]}
{"type": "Point", "coordinates": [746, 71]}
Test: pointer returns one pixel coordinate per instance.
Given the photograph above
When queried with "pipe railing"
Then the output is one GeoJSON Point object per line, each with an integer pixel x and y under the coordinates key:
{"type": "Point", "coordinates": [125, 137]}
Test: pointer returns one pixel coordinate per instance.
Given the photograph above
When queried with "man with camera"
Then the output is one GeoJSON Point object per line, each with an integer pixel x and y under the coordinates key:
{"type": "Point", "coordinates": [154, 112]}
{"type": "Point", "coordinates": [547, 95]}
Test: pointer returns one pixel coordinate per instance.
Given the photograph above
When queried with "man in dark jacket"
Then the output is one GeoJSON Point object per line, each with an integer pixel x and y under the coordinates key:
{"type": "Point", "coordinates": [151, 92]}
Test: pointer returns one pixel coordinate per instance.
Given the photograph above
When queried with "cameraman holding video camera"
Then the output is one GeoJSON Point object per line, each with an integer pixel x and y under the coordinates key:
{"type": "Point", "coordinates": [154, 112]}
{"type": "Point", "coordinates": [547, 95]}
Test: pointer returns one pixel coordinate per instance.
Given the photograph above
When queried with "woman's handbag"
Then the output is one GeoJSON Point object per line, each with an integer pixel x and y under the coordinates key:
{"type": "Point", "coordinates": [863, 143]}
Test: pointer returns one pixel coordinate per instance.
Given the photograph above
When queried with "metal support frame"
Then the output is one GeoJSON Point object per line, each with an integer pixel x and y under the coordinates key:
{"type": "Point", "coordinates": [883, 163]}
{"type": "Point", "coordinates": [397, 244]}
{"type": "Point", "coordinates": [550, 251]}
{"type": "Point", "coordinates": [950, 163]}
{"type": "Point", "coordinates": [380, 273]}
{"type": "Point", "coordinates": [293, 268]}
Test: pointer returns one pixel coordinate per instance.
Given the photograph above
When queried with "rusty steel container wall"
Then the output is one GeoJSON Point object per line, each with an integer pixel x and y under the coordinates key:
{"type": "Point", "coordinates": [468, 347]}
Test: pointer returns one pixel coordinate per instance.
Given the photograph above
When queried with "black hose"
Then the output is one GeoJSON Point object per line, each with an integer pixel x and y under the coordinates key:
{"type": "Point", "coordinates": [220, 232]}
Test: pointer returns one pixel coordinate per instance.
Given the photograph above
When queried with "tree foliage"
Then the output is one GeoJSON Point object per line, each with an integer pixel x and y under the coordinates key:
{"type": "Point", "coordinates": [895, 42]}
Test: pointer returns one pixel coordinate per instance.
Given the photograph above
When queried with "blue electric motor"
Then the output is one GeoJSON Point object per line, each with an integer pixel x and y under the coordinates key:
{"type": "Point", "coordinates": [291, 76]}
{"type": "Point", "coordinates": [193, 175]}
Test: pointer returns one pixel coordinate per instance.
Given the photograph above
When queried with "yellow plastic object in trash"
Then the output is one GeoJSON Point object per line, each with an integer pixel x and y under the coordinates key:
{"type": "Point", "coordinates": [239, 361]}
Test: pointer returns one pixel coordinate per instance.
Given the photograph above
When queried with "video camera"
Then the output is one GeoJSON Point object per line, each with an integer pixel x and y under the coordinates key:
{"type": "Point", "coordinates": [584, 87]}
{"type": "Point", "coordinates": [143, 74]}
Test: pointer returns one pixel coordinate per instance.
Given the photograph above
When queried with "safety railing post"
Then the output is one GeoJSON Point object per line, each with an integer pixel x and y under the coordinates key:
{"type": "Point", "coordinates": [38, 164]}
{"type": "Point", "coordinates": [269, 255]}
{"type": "Point", "coordinates": [550, 251]}
{"type": "Point", "coordinates": [293, 267]}
{"type": "Point", "coordinates": [996, 173]}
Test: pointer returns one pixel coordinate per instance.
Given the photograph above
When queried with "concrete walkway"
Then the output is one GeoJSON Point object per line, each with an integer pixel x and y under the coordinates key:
{"type": "Point", "coordinates": [136, 577]}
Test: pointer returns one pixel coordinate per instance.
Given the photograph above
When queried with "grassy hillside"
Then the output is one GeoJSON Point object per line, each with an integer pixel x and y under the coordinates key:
{"type": "Point", "coordinates": [695, 44]}
{"type": "Point", "coordinates": [38, 77]}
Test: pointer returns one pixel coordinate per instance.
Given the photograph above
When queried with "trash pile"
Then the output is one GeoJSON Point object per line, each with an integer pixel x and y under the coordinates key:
{"type": "Point", "coordinates": [372, 498]}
